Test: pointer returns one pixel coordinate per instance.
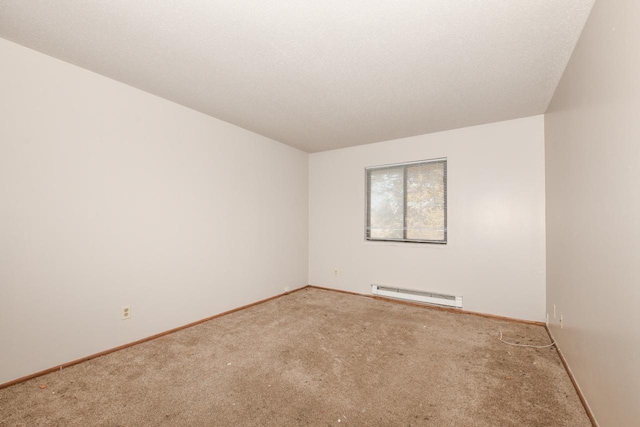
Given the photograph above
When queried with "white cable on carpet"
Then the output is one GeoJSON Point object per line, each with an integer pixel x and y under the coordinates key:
{"type": "Point", "coordinates": [525, 345]}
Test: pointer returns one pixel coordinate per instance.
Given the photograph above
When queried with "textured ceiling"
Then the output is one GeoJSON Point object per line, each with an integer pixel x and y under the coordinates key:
{"type": "Point", "coordinates": [318, 74]}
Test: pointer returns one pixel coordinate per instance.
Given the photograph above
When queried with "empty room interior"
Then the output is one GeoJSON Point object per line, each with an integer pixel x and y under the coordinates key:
{"type": "Point", "coordinates": [320, 213]}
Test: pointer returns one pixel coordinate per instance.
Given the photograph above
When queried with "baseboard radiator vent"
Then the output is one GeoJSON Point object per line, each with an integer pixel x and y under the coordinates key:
{"type": "Point", "coordinates": [417, 296]}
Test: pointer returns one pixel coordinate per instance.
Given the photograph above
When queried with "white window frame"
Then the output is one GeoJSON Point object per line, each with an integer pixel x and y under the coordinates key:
{"type": "Point", "coordinates": [368, 194]}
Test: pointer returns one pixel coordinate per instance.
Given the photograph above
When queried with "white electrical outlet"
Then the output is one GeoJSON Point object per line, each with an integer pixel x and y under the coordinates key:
{"type": "Point", "coordinates": [336, 272]}
{"type": "Point", "coordinates": [125, 312]}
{"type": "Point", "coordinates": [561, 320]}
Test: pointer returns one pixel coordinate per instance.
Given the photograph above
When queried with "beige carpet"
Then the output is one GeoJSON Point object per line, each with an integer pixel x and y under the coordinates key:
{"type": "Point", "coordinates": [317, 358]}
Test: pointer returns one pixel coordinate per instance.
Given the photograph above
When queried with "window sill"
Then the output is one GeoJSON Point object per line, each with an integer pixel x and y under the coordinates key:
{"type": "Point", "coordinates": [405, 244]}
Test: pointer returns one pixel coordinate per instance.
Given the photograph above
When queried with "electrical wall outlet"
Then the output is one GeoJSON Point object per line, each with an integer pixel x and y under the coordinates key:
{"type": "Point", "coordinates": [336, 272]}
{"type": "Point", "coordinates": [125, 312]}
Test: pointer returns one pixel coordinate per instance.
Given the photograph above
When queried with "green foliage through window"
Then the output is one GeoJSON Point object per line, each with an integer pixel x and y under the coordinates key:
{"type": "Point", "coordinates": [408, 202]}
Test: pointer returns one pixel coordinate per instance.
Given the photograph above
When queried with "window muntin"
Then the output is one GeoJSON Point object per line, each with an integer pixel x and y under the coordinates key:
{"type": "Point", "coordinates": [407, 202]}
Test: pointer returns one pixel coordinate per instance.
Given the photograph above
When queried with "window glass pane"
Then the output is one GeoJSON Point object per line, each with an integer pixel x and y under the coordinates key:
{"type": "Point", "coordinates": [408, 202]}
{"type": "Point", "coordinates": [426, 201]}
{"type": "Point", "coordinates": [386, 203]}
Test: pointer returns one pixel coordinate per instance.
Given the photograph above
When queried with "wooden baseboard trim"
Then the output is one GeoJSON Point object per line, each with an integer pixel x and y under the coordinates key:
{"type": "Point", "coordinates": [161, 334]}
{"type": "Point", "coordinates": [432, 307]}
{"type": "Point", "coordinates": [140, 341]}
{"type": "Point", "coordinates": [584, 402]}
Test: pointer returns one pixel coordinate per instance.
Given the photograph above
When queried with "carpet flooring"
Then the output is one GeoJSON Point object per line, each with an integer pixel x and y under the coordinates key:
{"type": "Point", "coordinates": [317, 358]}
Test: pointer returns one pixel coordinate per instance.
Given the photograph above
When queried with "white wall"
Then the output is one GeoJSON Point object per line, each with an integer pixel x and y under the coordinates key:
{"type": "Point", "coordinates": [593, 212]}
{"type": "Point", "coordinates": [495, 257]}
{"type": "Point", "coordinates": [112, 196]}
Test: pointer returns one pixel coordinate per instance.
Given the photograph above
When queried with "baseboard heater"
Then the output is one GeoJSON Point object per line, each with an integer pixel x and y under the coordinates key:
{"type": "Point", "coordinates": [417, 296]}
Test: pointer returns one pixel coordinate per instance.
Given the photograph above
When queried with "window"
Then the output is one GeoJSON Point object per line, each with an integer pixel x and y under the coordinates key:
{"type": "Point", "coordinates": [408, 202]}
